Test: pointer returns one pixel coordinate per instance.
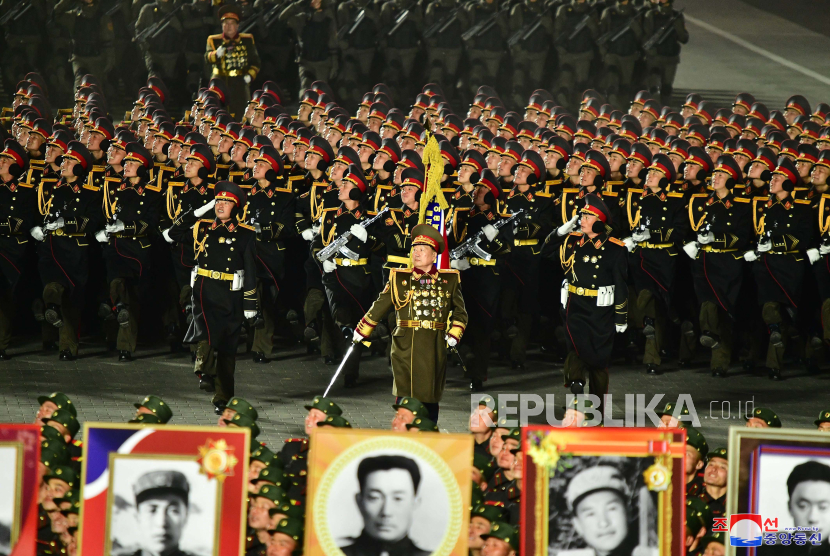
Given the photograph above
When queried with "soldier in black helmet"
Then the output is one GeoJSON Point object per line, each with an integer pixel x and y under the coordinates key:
{"type": "Point", "coordinates": [315, 25]}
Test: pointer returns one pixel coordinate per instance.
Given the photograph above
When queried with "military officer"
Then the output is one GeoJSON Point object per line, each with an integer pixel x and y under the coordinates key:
{"type": "Point", "coordinates": [357, 23]}
{"type": "Point", "coordinates": [162, 50]}
{"type": "Point", "coordinates": [423, 298]}
{"type": "Point", "coordinates": [575, 32]}
{"type": "Point", "coordinates": [594, 293]}
{"type": "Point", "coordinates": [444, 21]}
{"type": "Point", "coordinates": [620, 32]}
{"type": "Point", "coordinates": [315, 26]}
{"type": "Point", "coordinates": [664, 53]}
{"type": "Point", "coordinates": [235, 59]}
{"type": "Point", "coordinates": [225, 255]}
{"type": "Point", "coordinates": [92, 35]}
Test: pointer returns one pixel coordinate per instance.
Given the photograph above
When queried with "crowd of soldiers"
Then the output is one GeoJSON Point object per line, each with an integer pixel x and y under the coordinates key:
{"type": "Point", "coordinates": [523, 45]}
{"type": "Point", "coordinates": [278, 475]}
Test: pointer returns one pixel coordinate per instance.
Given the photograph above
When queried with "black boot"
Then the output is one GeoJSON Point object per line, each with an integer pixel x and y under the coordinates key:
{"type": "Point", "coordinates": [124, 356]}
{"type": "Point", "coordinates": [310, 334]}
{"type": "Point", "coordinates": [4, 356]}
{"type": "Point", "coordinates": [775, 336]}
{"type": "Point", "coordinates": [577, 387]}
{"type": "Point", "coordinates": [775, 374]}
{"type": "Point", "coordinates": [719, 373]}
{"type": "Point", "coordinates": [66, 355]}
{"type": "Point", "coordinates": [259, 357]}
{"type": "Point", "coordinates": [651, 369]}
{"type": "Point", "coordinates": [206, 383]}
{"type": "Point", "coordinates": [476, 385]}
{"type": "Point", "coordinates": [219, 407]}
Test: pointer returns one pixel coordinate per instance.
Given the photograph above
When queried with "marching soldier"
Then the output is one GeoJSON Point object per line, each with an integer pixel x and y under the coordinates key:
{"type": "Point", "coordinates": [132, 212]}
{"type": "Point", "coordinates": [315, 25]}
{"type": "Point", "coordinates": [271, 213]}
{"type": "Point", "coordinates": [163, 48]}
{"type": "Point", "coordinates": [786, 233]}
{"type": "Point", "coordinates": [665, 28]}
{"type": "Point", "coordinates": [620, 32]}
{"type": "Point", "coordinates": [487, 32]}
{"type": "Point", "coordinates": [71, 209]}
{"type": "Point", "coordinates": [444, 21]}
{"type": "Point", "coordinates": [402, 23]}
{"type": "Point", "coordinates": [723, 224]}
{"type": "Point", "coordinates": [396, 231]}
{"type": "Point", "coordinates": [531, 28]}
{"type": "Point", "coordinates": [225, 254]}
{"type": "Point", "coordinates": [92, 38]}
{"type": "Point", "coordinates": [424, 299]}
{"type": "Point", "coordinates": [575, 32]}
{"type": "Point", "coordinates": [357, 24]}
{"type": "Point", "coordinates": [594, 294]}
{"type": "Point", "coordinates": [235, 59]}
{"type": "Point", "coordinates": [19, 200]}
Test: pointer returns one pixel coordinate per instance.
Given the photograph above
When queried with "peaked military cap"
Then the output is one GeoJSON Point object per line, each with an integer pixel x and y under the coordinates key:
{"type": "Point", "coordinates": [157, 482]}
{"type": "Point", "coordinates": [157, 406]}
{"type": "Point", "coordinates": [423, 424]}
{"type": "Point", "coordinates": [242, 406]}
{"type": "Point", "coordinates": [491, 511]}
{"type": "Point", "coordinates": [336, 421]}
{"type": "Point", "coordinates": [240, 420]}
{"type": "Point", "coordinates": [768, 416]}
{"type": "Point", "coordinates": [65, 418]}
{"type": "Point", "coordinates": [717, 453]}
{"type": "Point", "coordinates": [325, 405]}
{"type": "Point", "coordinates": [505, 532]}
{"type": "Point", "coordinates": [695, 439]}
{"type": "Point", "coordinates": [59, 399]}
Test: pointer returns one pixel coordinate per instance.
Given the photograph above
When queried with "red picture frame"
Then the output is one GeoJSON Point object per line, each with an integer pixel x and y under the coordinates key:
{"type": "Point", "coordinates": [20, 445]}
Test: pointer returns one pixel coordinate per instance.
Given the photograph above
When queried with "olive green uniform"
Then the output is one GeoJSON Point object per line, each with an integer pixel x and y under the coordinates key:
{"type": "Point", "coordinates": [428, 306]}
{"type": "Point", "coordinates": [162, 52]}
{"type": "Point", "coordinates": [662, 60]}
{"type": "Point", "coordinates": [241, 59]}
{"type": "Point", "coordinates": [92, 39]}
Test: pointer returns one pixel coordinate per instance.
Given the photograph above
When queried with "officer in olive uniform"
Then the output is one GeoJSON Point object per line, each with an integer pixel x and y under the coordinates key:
{"type": "Point", "coordinates": [575, 33]}
{"type": "Point", "coordinates": [723, 224]}
{"type": "Point", "coordinates": [594, 294]}
{"type": "Point", "coordinates": [786, 233]}
{"type": "Point", "coordinates": [315, 25]}
{"type": "Point", "coordinates": [662, 58]}
{"type": "Point", "coordinates": [422, 298]}
{"type": "Point", "coordinates": [235, 59]}
{"type": "Point", "coordinates": [132, 210]}
{"type": "Point", "coordinates": [19, 202]}
{"type": "Point", "coordinates": [72, 210]}
{"type": "Point", "coordinates": [271, 208]}
{"type": "Point", "coordinates": [621, 22]}
{"type": "Point", "coordinates": [92, 35]}
{"type": "Point", "coordinates": [225, 254]}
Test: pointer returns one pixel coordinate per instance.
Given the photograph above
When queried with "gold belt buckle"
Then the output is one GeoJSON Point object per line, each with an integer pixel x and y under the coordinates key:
{"type": "Point", "coordinates": [424, 324]}
{"type": "Point", "coordinates": [347, 262]}
{"type": "Point", "coordinates": [215, 274]}
{"type": "Point", "coordinates": [580, 291]}
{"type": "Point", "coordinates": [59, 232]}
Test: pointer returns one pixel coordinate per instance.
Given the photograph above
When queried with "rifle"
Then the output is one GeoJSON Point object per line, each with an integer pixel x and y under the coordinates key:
{"type": "Point", "coordinates": [528, 30]}
{"type": "Point", "coordinates": [613, 35]}
{"type": "Point", "coordinates": [153, 30]}
{"type": "Point", "coordinates": [339, 244]}
{"type": "Point", "coordinates": [268, 18]}
{"type": "Point", "coordinates": [471, 245]}
{"type": "Point", "coordinates": [400, 20]}
{"type": "Point", "coordinates": [580, 26]}
{"type": "Point", "coordinates": [440, 26]}
{"type": "Point", "coordinates": [348, 30]}
{"type": "Point", "coordinates": [484, 25]}
{"type": "Point", "coordinates": [16, 13]}
{"type": "Point", "coordinates": [117, 6]}
{"type": "Point", "coordinates": [663, 32]}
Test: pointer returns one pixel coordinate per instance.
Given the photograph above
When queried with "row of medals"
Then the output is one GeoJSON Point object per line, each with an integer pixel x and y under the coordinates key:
{"type": "Point", "coordinates": [429, 307]}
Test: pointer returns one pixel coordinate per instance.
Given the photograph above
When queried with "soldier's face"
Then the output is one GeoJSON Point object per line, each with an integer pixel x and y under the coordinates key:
{"type": "Point", "coordinates": [52, 152]}
{"type": "Point", "coordinates": [634, 168]}
{"type": "Point", "coordinates": [131, 169]}
{"type": "Point", "coordinates": [299, 154]}
{"type": "Point", "coordinates": [223, 209]}
{"type": "Point", "coordinates": [522, 174]}
{"type": "Point", "coordinates": [387, 503]}
{"type": "Point", "coordinates": [810, 505]}
{"type": "Point", "coordinates": [174, 150]}
{"type": "Point", "coordinates": [790, 115]}
{"type": "Point", "coordinates": [573, 166]}
{"type": "Point", "coordinates": [364, 152]}
{"type": "Point", "coordinates": [690, 171]}
{"type": "Point", "coordinates": [191, 168]}
{"type": "Point", "coordinates": [386, 132]}
{"type": "Point", "coordinates": [819, 175]}
{"type": "Point", "coordinates": [333, 137]}
{"type": "Point", "coordinates": [311, 160]}
{"type": "Point", "coordinates": [45, 411]}
{"type": "Point", "coordinates": [601, 520]}
{"type": "Point", "coordinates": [478, 526]}
{"type": "Point", "coordinates": [587, 176]}
{"type": "Point", "coordinates": [303, 112]}
{"type": "Point", "coordinates": [804, 168]}
{"type": "Point", "coordinates": [158, 143]}
{"type": "Point", "coordinates": [416, 112]}
{"type": "Point", "coordinates": [824, 427]}
{"type": "Point", "coordinates": [465, 171]}
{"type": "Point", "coordinates": [161, 520]}
{"type": "Point", "coordinates": [408, 194]}
{"type": "Point", "coordinates": [225, 144]}
{"type": "Point", "coordinates": [260, 168]}
{"type": "Point", "coordinates": [403, 416]}
{"type": "Point", "coordinates": [586, 223]}
{"type": "Point", "coordinates": [653, 178]}
{"type": "Point", "coordinates": [34, 142]}
{"type": "Point", "coordinates": [362, 113]}
{"type": "Point", "coordinates": [518, 465]}
{"type": "Point", "coordinates": [775, 187]}
{"type": "Point", "coordinates": [494, 546]}
{"type": "Point", "coordinates": [506, 166]}
{"type": "Point", "coordinates": [254, 469]}
{"type": "Point", "coordinates": [396, 178]}
{"type": "Point", "coordinates": [693, 461]}
{"type": "Point", "coordinates": [250, 158]}
{"type": "Point", "coordinates": [238, 152]}
{"type": "Point", "coordinates": [93, 141]}
{"type": "Point", "coordinates": [5, 162]}
{"type": "Point", "coordinates": [314, 416]}
{"type": "Point", "coordinates": [506, 457]}
{"type": "Point", "coordinates": [716, 472]}
{"type": "Point", "coordinates": [230, 27]}
{"type": "Point", "coordinates": [338, 170]}
{"type": "Point", "coordinates": [67, 164]}
{"type": "Point", "coordinates": [281, 545]}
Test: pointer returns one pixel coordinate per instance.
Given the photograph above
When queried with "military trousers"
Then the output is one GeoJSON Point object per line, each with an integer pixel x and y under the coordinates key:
{"type": "Point", "coordinates": [715, 320]}
{"type": "Point", "coordinates": [70, 304]}
{"type": "Point", "coordinates": [578, 370]}
{"type": "Point", "coordinates": [483, 68]}
{"type": "Point", "coordinates": [125, 291]}
{"type": "Point", "coordinates": [353, 78]}
{"type": "Point", "coordinates": [12, 254]}
{"type": "Point", "coordinates": [482, 285]}
{"type": "Point", "coordinates": [349, 291]}
{"type": "Point", "coordinates": [661, 71]}
{"type": "Point", "coordinates": [527, 73]}
{"type": "Point", "coordinates": [82, 65]}
{"type": "Point", "coordinates": [311, 71]}
{"type": "Point", "coordinates": [443, 65]}
{"type": "Point", "coordinates": [399, 64]}
{"type": "Point", "coordinates": [618, 74]}
{"type": "Point", "coordinates": [573, 73]}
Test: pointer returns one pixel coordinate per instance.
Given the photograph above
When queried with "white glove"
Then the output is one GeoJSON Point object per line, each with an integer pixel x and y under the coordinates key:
{"type": "Point", "coordinates": [356, 337]}
{"type": "Point", "coordinates": [621, 328]}
{"type": "Point", "coordinates": [813, 255]}
{"type": "Point", "coordinates": [247, 79]}
{"type": "Point", "coordinates": [220, 51]}
{"type": "Point", "coordinates": [452, 342]}
{"type": "Point", "coordinates": [764, 246]}
{"type": "Point", "coordinates": [567, 227]}
{"type": "Point", "coordinates": [204, 209]}
{"type": "Point", "coordinates": [641, 236]}
{"type": "Point", "coordinates": [308, 234]}
{"type": "Point", "coordinates": [257, 228]}
{"type": "Point", "coordinates": [114, 228]}
{"type": "Point", "coordinates": [490, 232]}
{"type": "Point", "coordinates": [629, 244]}
{"type": "Point", "coordinates": [460, 264]}
{"type": "Point", "coordinates": [166, 235]}
{"type": "Point", "coordinates": [705, 239]}
{"type": "Point", "coordinates": [315, 228]}
{"type": "Point", "coordinates": [691, 249]}
{"type": "Point", "coordinates": [824, 249]}
{"type": "Point", "coordinates": [37, 233]}
{"type": "Point", "coordinates": [329, 266]}
{"type": "Point", "coordinates": [249, 314]}
{"type": "Point", "coordinates": [750, 256]}
{"type": "Point", "coordinates": [56, 224]}
{"type": "Point", "coordinates": [359, 232]}
{"type": "Point", "coordinates": [102, 236]}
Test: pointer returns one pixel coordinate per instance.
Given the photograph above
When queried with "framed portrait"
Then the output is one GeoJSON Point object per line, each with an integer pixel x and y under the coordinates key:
{"type": "Point", "coordinates": [603, 490]}
{"type": "Point", "coordinates": [19, 481]}
{"type": "Point", "coordinates": [783, 475]}
{"type": "Point", "coordinates": [369, 488]}
{"type": "Point", "coordinates": [195, 477]}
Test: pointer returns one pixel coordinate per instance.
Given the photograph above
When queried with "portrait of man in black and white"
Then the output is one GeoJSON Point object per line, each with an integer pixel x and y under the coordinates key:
{"type": "Point", "coordinates": [602, 507]}
{"type": "Point", "coordinates": [8, 495]}
{"type": "Point", "coordinates": [806, 493]}
{"type": "Point", "coordinates": [396, 499]}
{"type": "Point", "coordinates": [164, 512]}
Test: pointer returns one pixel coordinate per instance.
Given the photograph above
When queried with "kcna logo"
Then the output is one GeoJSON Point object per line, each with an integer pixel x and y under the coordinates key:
{"type": "Point", "coordinates": [745, 530]}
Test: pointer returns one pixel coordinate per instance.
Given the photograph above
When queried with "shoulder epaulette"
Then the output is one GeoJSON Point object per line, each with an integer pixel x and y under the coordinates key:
{"type": "Point", "coordinates": [247, 226]}
{"type": "Point", "coordinates": [675, 195]}
{"type": "Point", "coordinates": [570, 190]}
{"type": "Point", "coordinates": [630, 190]}
{"type": "Point", "coordinates": [575, 234]}
{"type": "Point", "coordinates": [330, 209]}
{"type": "Point", "coordinates": [295, 178]}
{"type": "Point", "coordinates": [803, 201]}
{"type": "Point", "coordinates": [449, 271]}
{"type": "Point", "coordinates": [152, 187]}
{"type": "Point", "coordinates": [741, 200]}
{"type": "Point", "coordinates": [175, 184]}
{"type": "Point", "coordinates": [610, 194]}
{"type": "Point", "coordinates": [616, 241]}
{"type": "Point", "coordinates": [91, 187]}
{"type": "Point", "coordinates": [208, 220]}
{"type": "Point", "coordinates": [395, 210]}
{"type": "Point", "coordinates": [25, 184]}
{"type": "Point", "coordinates": [214, 37]}
{"type": "Point", "coordinates": [48, 180]}
{"type": "Point", "coordinates": [111, 179]}
{"type": "Point", "coordinates": [399, 270]}
{"type": "Point", "coordinates": [98, 168]}
{"type": "Point", "coordinates": [700, 195]}
{"type": "Point", "coordinates": [543, 194]}
{"type": "Point", "coordinates": [246, 36]}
